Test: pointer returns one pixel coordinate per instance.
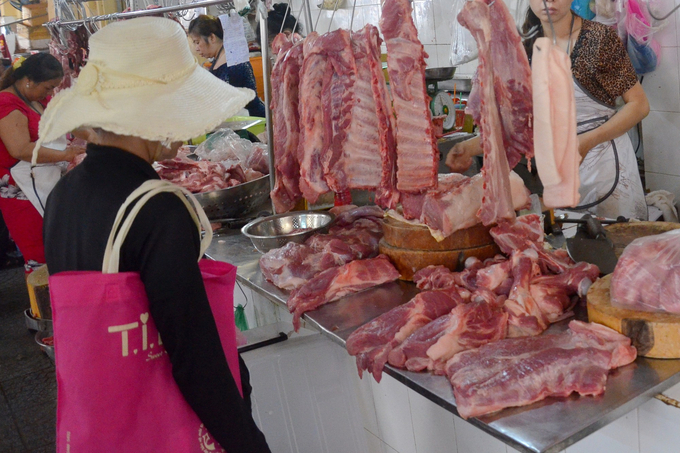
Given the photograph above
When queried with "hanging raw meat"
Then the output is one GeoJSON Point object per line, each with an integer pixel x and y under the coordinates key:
{"type": "Point", "coordinates": [556, 143]}
{"type": "Point", "coordinates": [314, 140]}
{"type": "Point", "coordinates": [497, 198]}
{"type": "Point", "coordinates": [368, 155]}
{"type": "Point", "coordinates": [338, 98]}
{"type": "Point", "coordinates": [512, 85]}
{"type": "Point", "coordinates": [417, 152]}
{"type": "Point", "coordinates": [286, 123]}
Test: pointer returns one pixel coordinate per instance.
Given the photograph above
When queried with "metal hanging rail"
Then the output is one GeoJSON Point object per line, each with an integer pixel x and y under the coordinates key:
{"type": "Point", "coordinates": [142, 13]}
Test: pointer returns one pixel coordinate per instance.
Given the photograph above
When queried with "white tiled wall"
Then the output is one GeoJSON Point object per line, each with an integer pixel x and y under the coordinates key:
{"type": "Point", "coordinates": [432, 18]}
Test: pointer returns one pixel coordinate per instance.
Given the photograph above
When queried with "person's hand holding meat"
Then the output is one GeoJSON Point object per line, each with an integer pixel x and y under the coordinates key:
{"type": "Point", "coordinates": [610, 184]}
{"type": "Point", "coordinates": [459, 158]}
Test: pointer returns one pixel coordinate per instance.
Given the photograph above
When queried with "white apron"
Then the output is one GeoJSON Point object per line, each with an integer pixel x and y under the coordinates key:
{"type": "Point", "coordinates": [598, 169]}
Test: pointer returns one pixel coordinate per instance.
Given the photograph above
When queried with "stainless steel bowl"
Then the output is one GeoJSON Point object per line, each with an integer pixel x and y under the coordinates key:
{"type": "Point", "coordinates": [277, 230]}
{"type": "Point", "coordinates": [47, 349]}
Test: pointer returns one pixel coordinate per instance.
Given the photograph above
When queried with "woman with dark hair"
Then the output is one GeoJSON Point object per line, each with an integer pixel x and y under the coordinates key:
{"type": "Point", "coordinates": [280, 22]}
{"type": "Point", "coordinates": [602, 72]}
{"type": "Point", "coordinates": [207, 33]}
{"type": "Point", "coordinates": [25, 89]}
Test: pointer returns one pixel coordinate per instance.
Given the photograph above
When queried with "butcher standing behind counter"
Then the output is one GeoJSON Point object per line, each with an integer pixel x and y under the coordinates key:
{"type": "Point", "coordinates": [602, 72]}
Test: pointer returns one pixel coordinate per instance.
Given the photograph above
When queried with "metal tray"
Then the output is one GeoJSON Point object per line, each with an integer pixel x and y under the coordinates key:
{"type": "Point", "coordinates": [235, 202]}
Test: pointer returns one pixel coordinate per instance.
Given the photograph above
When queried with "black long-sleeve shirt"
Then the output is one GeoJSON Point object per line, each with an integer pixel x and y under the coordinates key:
{"type": "Point", "coordinates": [163, 246]}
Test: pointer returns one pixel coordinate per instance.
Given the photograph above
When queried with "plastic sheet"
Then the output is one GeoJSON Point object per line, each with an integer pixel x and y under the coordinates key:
{"type": "Point", "coordinates": [463, 45]}
{"type": "Point", "coordinates": [647, 276]}
{"type": "Point", "coordinates": [643, 49]}
{"type": "Point", "coordinates": [229, 149]}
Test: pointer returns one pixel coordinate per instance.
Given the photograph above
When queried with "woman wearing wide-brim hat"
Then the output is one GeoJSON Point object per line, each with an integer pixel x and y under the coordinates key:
{"type": "Point", "coordinates": [140, 94]}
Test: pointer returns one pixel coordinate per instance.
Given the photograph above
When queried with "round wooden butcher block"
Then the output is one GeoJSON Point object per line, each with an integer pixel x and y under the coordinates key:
{"type": "Point", "coordinates": [622, 234]}
{"type": "Point", "coordinates": [655, 335]}
{"type": "Point", "coordinates": [417, 237]}
{"type": "Point", "coordinates": [409, 261]}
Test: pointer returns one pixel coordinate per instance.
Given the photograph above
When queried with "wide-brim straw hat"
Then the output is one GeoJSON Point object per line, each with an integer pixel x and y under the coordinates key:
{"type": "Point", "coordinates": [142, 80]}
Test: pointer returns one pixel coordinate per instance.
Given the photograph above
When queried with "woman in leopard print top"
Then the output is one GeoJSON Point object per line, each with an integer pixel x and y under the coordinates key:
{"type": "Point", "coordinates": [602, 72]}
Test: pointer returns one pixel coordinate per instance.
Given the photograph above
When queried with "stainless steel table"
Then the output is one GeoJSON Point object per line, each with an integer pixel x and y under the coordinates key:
{"type": "Point", "coordinates": [550, 425]}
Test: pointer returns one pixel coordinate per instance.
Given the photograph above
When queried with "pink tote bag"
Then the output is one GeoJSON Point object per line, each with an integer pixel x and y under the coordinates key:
{"type": "Point", "coordinates": [115, 390]}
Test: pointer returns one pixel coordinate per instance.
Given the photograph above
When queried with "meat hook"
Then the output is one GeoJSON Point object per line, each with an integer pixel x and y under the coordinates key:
{"type": "Point", "coordinates": [664, 17]}
{"type": "Point", "coordinates": [351, 21]}
{"type": "Point", "coordinates": [297, 19]}
{"type": "Point", "coordinates": [285, 16]}
{"type": "Point", "coordinates": [335, 8]}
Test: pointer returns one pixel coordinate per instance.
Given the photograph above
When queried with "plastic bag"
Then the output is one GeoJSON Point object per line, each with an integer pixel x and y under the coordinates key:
{"type": "Point", "coordinates": [647, 276]}
{"type": "Point", "coordinates": [463, 45]}
{"type": "Point", "coordinates": [224, 145]}
{"type": "Point", "coordinates": [583, 8]}
{"type": "Point", "coordinates": [644, 51]}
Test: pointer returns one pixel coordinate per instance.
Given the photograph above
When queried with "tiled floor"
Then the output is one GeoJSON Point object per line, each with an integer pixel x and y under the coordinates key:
{"type": "Point", "coordinates": [28, 389]}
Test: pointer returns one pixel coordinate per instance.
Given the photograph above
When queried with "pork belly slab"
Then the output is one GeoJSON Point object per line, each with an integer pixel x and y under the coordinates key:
{"type": "Point", "coordinates": [372, 342]}
{"type": "Point", "coordinates": [521, 371]}
{"type": "Point", "coordinates": [417, 152]}
{"type": "Point", "coordinates": [337, 282]}
{"type": "Point", "coordinates": [556, 143]}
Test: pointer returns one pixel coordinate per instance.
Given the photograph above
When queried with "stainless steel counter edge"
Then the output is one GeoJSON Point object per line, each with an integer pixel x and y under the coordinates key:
{"type": "Point", "coordinates": [548, 426]}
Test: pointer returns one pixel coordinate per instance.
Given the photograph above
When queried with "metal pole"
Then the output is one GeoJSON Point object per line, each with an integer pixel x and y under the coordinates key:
{"type": "Point", "coordinates": [144, 12]}
{"type": "Point", "coordinates": [266, 79]}
{"type": "Point", "coordinates": [308, 16]}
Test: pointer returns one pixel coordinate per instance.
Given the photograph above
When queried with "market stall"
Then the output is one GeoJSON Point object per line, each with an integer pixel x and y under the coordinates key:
{"type": "Point", "coordinates": [336, 127]}
{"type": "Point", "coordinates": [562, 421]}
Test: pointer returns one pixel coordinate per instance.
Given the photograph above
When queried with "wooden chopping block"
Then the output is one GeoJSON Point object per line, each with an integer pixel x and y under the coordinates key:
{"type": "Point", "coordinates": [416, 237]}
{"type": "Point", "coordinates": [408, 261]}
{"type": "Point", "coordinates": [622, 234]}
{"type": "Point", "coordinates": [655, 335]}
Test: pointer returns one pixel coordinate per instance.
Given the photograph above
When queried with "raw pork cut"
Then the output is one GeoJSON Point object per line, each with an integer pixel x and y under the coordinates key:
{"type": "Point", "coordinates": [526, 317]}
{"type": "Point", "coordinates": [417, 152]}
{"type": "Point", "coordinates": [202, 176]}
{"type": "Point", "coordinates": [526, 232]}
{"type": "Point", "coordinates": [521, 371]}
{"type": "Point", "coordinates": [314, 140]}
{"type": "Point", "coordinates": [497, 199]}
{"type": "Point", "coordinates": [556, 143]}
{"type": "Point", "coordinates": [292, 265]}
{"type": "Point", "coordinates": [447, 212]}
{"type": "Point", "coordinates": [286, 121]}
{"type": "Point", "coordinates": [512, 84]}
{"type": "Point", "coordinates": [368, 153]}
{"type": "Point", "coordinates": [334, 283]}
{"type": "Point", "coordinates": [338, 99]}
{"type": "Point", "coordinates": [467, 326]}
{"type": "Point", "coordinates": [647, 276]}
{"type": "Point", "coordinates": [372, 342]}
{"type": "Point", "coordinates": [355, 235]}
